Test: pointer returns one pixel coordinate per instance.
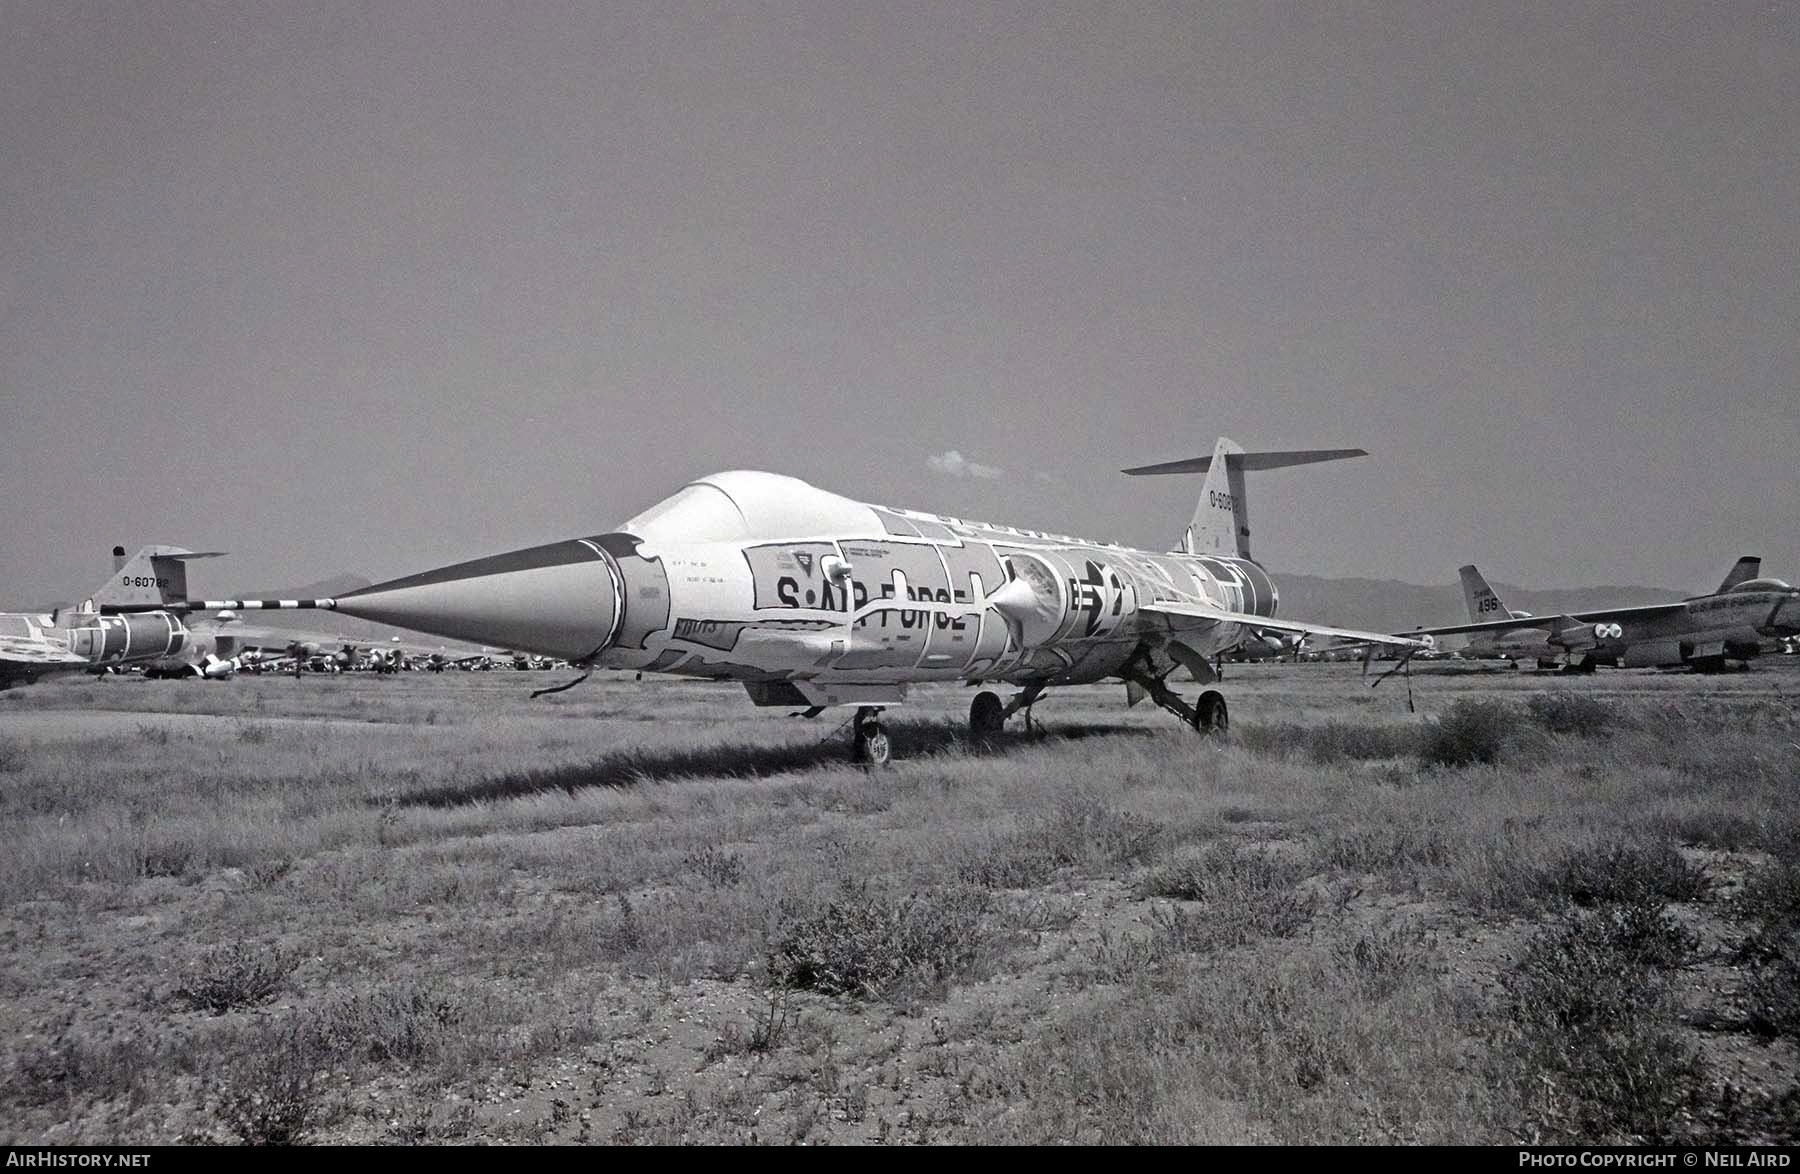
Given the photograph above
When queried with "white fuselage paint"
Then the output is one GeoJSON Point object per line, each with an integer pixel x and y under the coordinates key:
{"type": "Point", "coordinates": [893, 596]}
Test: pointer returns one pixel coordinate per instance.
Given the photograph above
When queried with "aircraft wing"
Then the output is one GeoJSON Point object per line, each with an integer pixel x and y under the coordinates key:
{"type": "Point", "coordinates": [1553, 622]}
{"type": "Point", "coordinates": [1197, 611]}
{"type": "Point", "coordinates": [22, 659]}
{"type": "Point", "coordinates": [35, 654]}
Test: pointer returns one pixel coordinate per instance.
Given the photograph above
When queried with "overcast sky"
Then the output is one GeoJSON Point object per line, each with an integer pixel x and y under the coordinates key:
{"type": "Point", "coordinates": [375, 287]}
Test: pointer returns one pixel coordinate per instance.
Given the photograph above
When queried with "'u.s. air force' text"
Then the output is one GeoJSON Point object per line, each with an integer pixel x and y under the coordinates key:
{"type": "Point", "coordinates": [788, 592]}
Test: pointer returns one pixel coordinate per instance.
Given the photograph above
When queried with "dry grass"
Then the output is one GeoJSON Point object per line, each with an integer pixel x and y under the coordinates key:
{"type": "Point", "coordinates": [423, 908]}
{"type": "Point", "coordinates": [232, 977]}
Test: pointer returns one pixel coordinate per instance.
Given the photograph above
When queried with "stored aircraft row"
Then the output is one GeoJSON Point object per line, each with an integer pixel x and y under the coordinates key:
{"type": "Point", "coordinates": [141, 618]}
{"type": "Point", "coordinates": [128, 620]}
{"type": "Point", "coordinates": [814, 600]}
{"type": "Point", "coordinates": [1746, 616]}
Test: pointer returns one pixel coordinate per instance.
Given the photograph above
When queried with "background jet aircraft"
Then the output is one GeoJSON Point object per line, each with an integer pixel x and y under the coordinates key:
{"type": "Point", "coordinates": [813, 600]}
{"type": "Point", "coordinates": [1735, 622]}
{"type": "Point", "coordinates": [151, 585]}
{"type": "Point", "coordinates": [1545, 642]}
{"type": "Point", "coordinates": [1270, 646]}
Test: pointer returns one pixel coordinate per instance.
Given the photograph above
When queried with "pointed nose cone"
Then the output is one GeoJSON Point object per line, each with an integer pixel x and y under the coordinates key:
{"type": "Point", "coordinates": [559, 600]}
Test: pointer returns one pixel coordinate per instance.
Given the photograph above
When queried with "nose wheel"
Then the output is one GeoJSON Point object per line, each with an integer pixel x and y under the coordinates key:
{"type": "Point", "coordinates": [869, 744]}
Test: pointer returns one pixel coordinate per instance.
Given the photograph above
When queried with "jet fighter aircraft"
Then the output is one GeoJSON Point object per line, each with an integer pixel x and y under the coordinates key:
{"type": "Point", "coordinates": [814, 600]}
{"type": "Point", "coordinates": [1735, 623]}
{"type": "Point", "coordinates": [151, 586]}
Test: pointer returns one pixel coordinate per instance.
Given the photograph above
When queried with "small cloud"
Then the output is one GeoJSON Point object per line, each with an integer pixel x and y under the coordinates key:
{"type": "Point", "coordinates": [954, 464]}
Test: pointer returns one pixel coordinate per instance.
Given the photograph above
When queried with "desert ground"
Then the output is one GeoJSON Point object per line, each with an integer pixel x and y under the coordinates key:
{"type": "Point", "coordinates": [426, 908]}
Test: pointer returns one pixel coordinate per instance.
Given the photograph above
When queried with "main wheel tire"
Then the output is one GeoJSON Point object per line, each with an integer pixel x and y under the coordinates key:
{"type": "Point", "coordinates": [987, 715]}
{"type": "Point", "coordinates": [872, 747]}
{"type": "Point", "coordinates": [1214, 714]}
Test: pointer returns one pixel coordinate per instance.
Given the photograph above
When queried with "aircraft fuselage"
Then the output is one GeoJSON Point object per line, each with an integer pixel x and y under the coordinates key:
{"type": "Point", "coordinates": [764, 579]}
{"type": "Point", "coordinates": [1732, 624]}
{"type": "Point", "coordinates": [32, 645]}
{"type": "Point", "coordinates": [836, 610]}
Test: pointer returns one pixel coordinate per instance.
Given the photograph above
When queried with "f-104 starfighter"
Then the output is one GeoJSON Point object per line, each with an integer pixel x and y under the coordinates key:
{"type": "Point", "coordinates": [813, 600]}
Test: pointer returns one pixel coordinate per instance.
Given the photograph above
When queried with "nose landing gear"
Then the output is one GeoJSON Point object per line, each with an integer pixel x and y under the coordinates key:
{"type": "Point", "coordinates": [869, 744]}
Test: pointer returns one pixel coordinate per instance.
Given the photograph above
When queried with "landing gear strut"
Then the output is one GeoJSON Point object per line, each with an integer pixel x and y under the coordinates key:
{"type": "Point", "coordinates": [1211, 717]}
{"type": "Point", "coordinates": [869, 743]}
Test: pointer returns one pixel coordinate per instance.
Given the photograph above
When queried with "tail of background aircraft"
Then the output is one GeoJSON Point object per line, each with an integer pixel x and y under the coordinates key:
{"type": "Point", "coordinates": [155, 575]}
{"type": "Point", "coordinates": [1221, 523]}
{"type": "Point", "coordinates": [1483, 603]}
{"type": "Point", "coordinates": [1745, 569]}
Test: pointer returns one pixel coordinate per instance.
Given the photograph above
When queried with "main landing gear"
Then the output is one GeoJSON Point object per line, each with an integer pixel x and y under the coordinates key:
{"type": "Point", "coordinates": [988, 714]}
{"type": "Point", "coordinates": [1213, 716]}
{"type": "Point", "coordinates": [1210, 717]}
{"type": "Point", "coordinates": [869, 742]}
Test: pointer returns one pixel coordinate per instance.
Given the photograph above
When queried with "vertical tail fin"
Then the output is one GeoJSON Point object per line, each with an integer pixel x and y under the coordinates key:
{"type": "Point", "coordinates": [1221, 523]}
{"type": "Point", "coordinates": [155, 575]}
{"type": "Point", "coordinates": [1483, 603]}
{"type": "Point", "coordinates": [1746, 568]}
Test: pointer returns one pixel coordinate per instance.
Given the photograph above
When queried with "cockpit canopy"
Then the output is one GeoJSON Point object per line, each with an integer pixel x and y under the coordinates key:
{"type": "Point", "coordinates": [1762, 585]}
{"type": "Point", "coordinates": [741, 505]}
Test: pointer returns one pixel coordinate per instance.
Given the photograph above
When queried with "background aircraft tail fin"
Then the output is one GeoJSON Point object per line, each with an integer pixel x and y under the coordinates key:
{"type": "Point", "coordinates": [1745, 569]}
{"type": "Point", "coordinates": [1221, 523]}
{"type": "Point", "coordinates": [1483, 603]}
{"type": "Point", "coordinates": [154, 576]}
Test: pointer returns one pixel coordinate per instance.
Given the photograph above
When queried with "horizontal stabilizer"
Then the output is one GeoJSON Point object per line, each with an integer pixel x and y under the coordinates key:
{"type": "Point", "coordinates": [154, 576]}
{"type": "Point", "coordinates": [1221, 522]}
{"type": "Point", "coordinates": [1249, 462]}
